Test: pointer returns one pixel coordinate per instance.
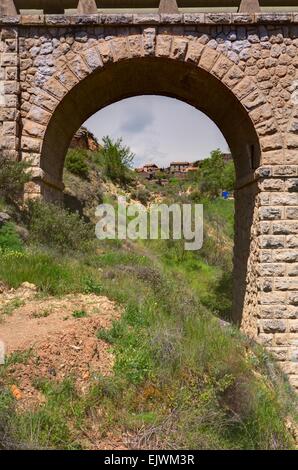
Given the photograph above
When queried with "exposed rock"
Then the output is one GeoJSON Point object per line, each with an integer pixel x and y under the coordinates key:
{"type": "Point", "coordinates": [22, 232]}
{"type": "Point", "coordinates": [4, 217]}
{"type": "Point", "coordinates": [84, 139]}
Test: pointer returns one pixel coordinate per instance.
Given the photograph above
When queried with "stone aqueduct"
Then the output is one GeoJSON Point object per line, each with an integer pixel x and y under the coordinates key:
{"type": "Point", "coordinates": [241, 69]}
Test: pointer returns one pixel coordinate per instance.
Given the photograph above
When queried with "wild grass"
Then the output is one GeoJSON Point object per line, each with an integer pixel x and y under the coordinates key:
{"type": "Point", "coordinates": [193, 369]}
{"type": "Point", "coordinates": [180, 380]}
{"type": "Point", "coordinates": [52, 274]}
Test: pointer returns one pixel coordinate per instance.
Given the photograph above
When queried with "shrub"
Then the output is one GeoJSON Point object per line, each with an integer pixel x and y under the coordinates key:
{"type": "Point", "coordinates": [141, 195]}
{"type": "Point", "coordinates": [9, 239]}
{"type": "Point", "coordinates": [116, 160]}
{"type": "Point", "coordinates": [52, 226]}
{"type": "Point", "coordinates": [214, 175]}
{"type": "Point", "coordinates": [13, 176]}
{"type": "Point", "coordinates": [75, 162]}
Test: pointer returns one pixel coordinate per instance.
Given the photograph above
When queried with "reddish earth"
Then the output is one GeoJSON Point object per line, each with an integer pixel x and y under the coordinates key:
{"type": "Point", "coordinates": [59, 346]}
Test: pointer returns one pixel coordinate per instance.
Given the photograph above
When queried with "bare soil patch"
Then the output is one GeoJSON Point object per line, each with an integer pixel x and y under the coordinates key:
{"type": "Point", "coordinates": [60, 343]}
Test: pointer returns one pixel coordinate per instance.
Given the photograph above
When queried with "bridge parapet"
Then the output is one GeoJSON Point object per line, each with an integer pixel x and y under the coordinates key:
{"type": "Point", "coordinates": [13, 7]}
{"type": "Point", "coordinates": [114, 19]}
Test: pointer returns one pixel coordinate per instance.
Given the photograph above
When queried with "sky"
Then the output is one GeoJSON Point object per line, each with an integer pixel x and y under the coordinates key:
{"type": "Point", "coordinates": [158, 129]}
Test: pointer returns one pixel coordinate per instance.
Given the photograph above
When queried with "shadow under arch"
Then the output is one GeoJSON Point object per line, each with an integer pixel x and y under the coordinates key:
{"type": "Point", "coordinates": [188, 83]}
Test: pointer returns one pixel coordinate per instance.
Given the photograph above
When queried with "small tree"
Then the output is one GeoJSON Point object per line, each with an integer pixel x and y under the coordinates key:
{"type": "Point", "coordinates": [117, 160]}
{"type": "Point", "coordinates": [13, 176]}
{"type": "Point", "coordinates": [52, 226]}
{"type": "Point", "coordinates": [76, 162]}
{"type": "Point", "coordinates": [229, 177]}
{"type": "Point", "coordinates": [215, 175]}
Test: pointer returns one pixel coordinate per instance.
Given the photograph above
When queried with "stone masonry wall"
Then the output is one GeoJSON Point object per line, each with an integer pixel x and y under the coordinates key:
{"type": "Point", "coordinates": [256, 58]}
{"type": "Point", "coordinates": [9, 92]}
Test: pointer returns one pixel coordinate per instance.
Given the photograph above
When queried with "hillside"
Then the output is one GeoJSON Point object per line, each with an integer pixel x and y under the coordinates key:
{"type": "Point", "coordinates": [128, 345]}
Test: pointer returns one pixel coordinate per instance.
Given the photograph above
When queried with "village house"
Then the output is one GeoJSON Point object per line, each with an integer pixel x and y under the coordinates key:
{"type": "Point", "coordinates": [149, 168]}
{"type": "Point", "coordinates": [179, 167]}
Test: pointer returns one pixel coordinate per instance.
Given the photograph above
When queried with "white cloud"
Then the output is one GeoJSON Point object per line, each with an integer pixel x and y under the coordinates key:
{"type": "Point", "coordinates": [158, 129]}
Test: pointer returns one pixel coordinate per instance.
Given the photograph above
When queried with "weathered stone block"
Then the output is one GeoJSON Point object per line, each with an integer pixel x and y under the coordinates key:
{"type": "Point", "coordinates": [287, 256]}
{"type": "Point", "coordinates": [272, 298]}
{"type": "Point", "coordinates": [272, 269]}
{"type": "Point", "coordinates": [92, 58]}
{"type": "Point", "coordinates": [293, 326]}
{"type": "Point", "coordinates": [55, 88]}
{"type": "Point", "coordinates": [269, 241]}
{"type": "Point", "coordinates": [284, 228]}
{"type": "Point", "coordinates": [31, 144]}
{"type": "Point", "coordinates": [194, 52]}
{"type": "Point", "coordinates": [286, 283]}
{"type": "Point", "coordinates": [33, 129]}
{"type": "Point", "coordinates": [208, 58]}
{"type": "Point", "coordinates": [10, 128]}
{"type": "Point", "coordinates": [278, 311]}
{"type": "Point", "coordinates": [79, 68]}
{"type": "Point", "coordinates": [293, 269]}
{"type": "Point", "coordinates": [149, 40]}
{"type": "Point", "coordinates": [163, 45]}
{"type": "Point", "coordinates": [279, 353]}
{"type": "Point", "coordinates": [273, 326]}
{"type": "Point", "coordinates": [66, 78]}
{"type": "Point", "coordinates": [38, 114]}
{"type": "Point", "coordinates": [272, 185]}
{"type": "Point", "coordinates": [105, 51]}
{"type": "Point", "coordinates": [291, 213]}
{"type": "Point", "coordinates": [148, 18]}
{"type": "Point", "coordinates": [292, 241]}
{"type": "Point", "coordinates": [284, 199]}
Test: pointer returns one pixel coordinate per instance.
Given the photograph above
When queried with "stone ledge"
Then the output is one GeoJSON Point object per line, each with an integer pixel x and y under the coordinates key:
{"type": "Point", "coordinates": [151, 19]}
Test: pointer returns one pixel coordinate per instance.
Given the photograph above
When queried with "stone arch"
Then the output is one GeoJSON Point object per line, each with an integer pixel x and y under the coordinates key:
{"type": "Point", "coordinates": [164, 64]}
{"type": "Point", "coordinates": [173, 66]}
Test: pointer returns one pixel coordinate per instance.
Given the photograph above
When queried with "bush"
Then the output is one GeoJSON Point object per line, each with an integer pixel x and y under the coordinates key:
{"type": "Point", "coordinates": [13, 176]}
{"type": "Point", "coordinates": [214, 175]}
{"type": "Point", "coordinates": [52, 226]}
{"type": "Point", "coordinates": [75, 162]}
{"type": "Point", "coordinates": [141, 195]}
{"type": "Point", "coordinates": [116, 160]}
{"type": "Point", "coordinates": [9, 239]}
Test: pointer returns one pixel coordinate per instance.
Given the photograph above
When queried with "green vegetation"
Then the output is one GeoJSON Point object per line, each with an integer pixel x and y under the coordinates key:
{"type": "Point", "coordinates": [11, 306]}
{"type": "Point", "coordinates": [12, 179]}
{"type": "Point", "coordinates": [75, 162]}
{"type": "Point", "coordinates": [79, 314]}
{"type": "Point", "coordinates": [116, 160]}
{"type": "Point", "coordinates": [54, 227]}
{"type": "Point", "coordinates": [182, 379]}
{"type": "Point", "coordinates": [142, 195]}
{"type": "Point", "coordinates": [215, 176]}
{"type": "Point", "coordinates": [9, 239]}
{"type": "Point", "coordinates": [51, 273]}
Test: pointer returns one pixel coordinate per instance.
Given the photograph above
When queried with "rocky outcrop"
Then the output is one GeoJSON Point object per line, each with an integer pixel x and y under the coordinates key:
{"type": "Point", "coordinates": [84, 139]}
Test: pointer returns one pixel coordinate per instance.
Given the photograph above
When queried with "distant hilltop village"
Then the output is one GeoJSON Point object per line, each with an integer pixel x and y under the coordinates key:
{"type": "Point", "coordinates": [178, 169]}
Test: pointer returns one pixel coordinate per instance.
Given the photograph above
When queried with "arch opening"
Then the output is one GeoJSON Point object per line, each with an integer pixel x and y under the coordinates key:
{"type": "Point", "coordinates": [192, 85]}
{"type": "Point", "coordinates": [151, 76]}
